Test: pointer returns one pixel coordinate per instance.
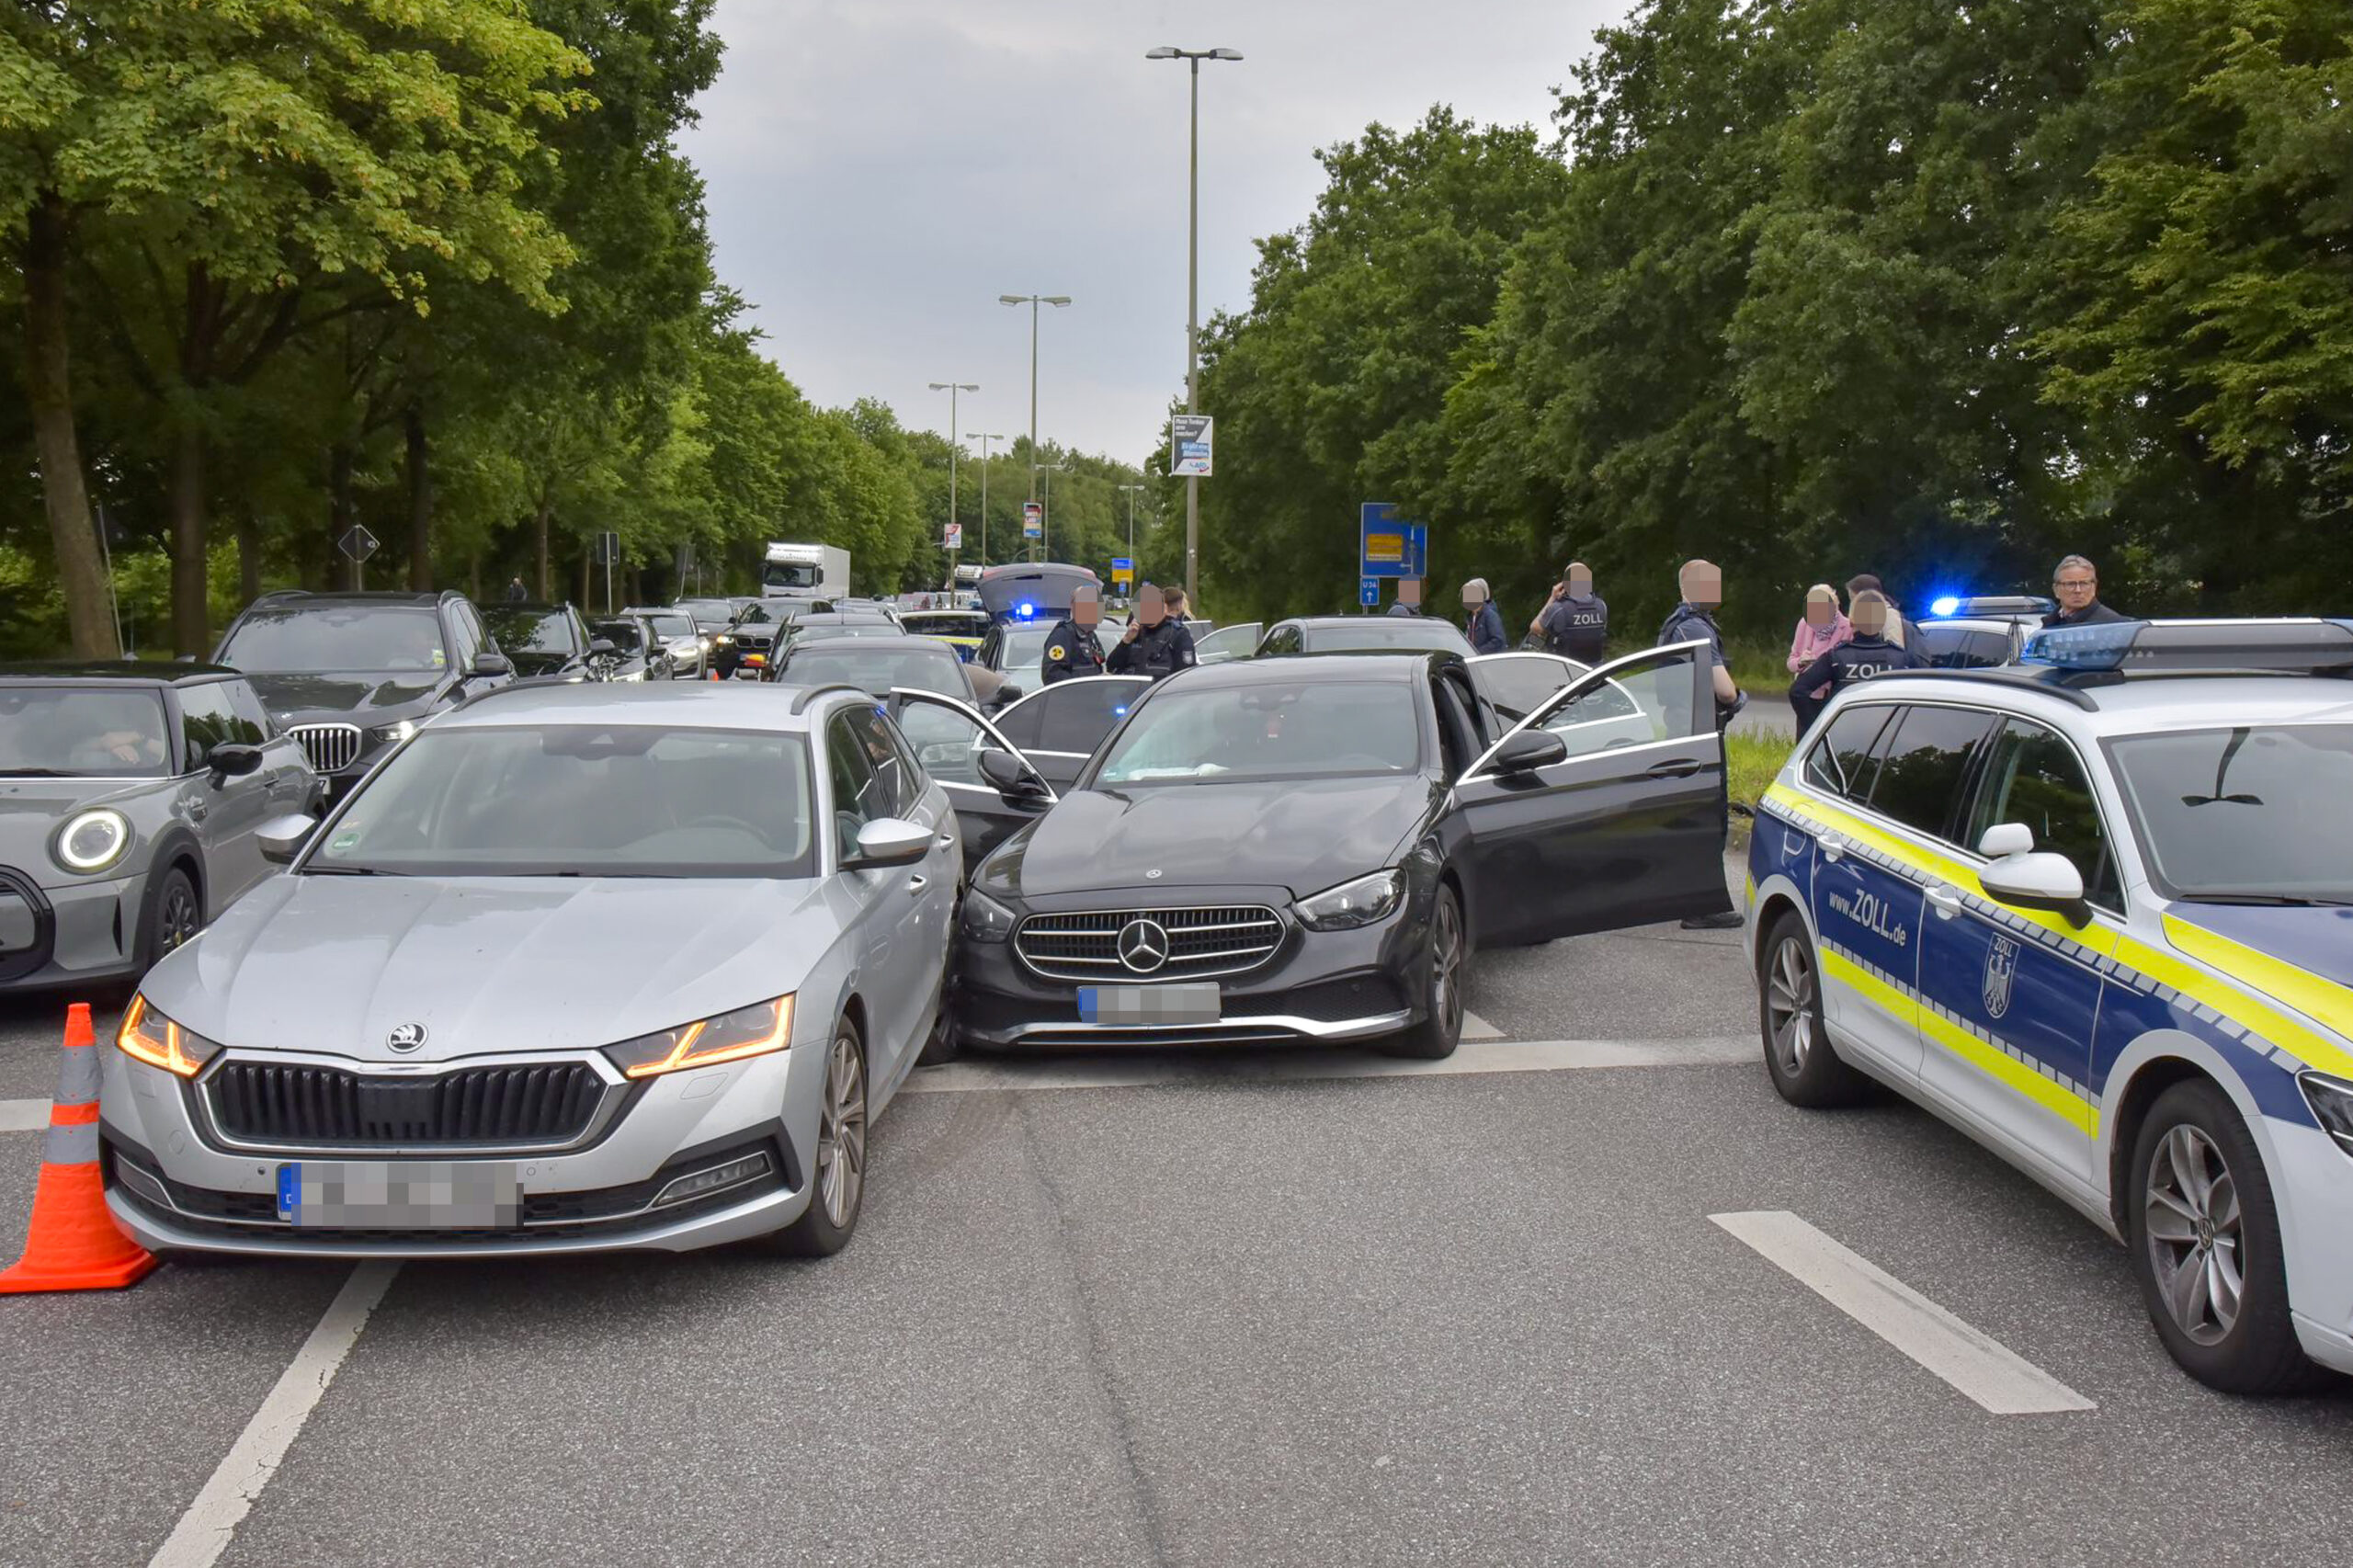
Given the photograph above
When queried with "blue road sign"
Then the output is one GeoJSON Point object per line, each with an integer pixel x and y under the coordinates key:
{"type": "Point", "coordinates": [1368, 593]}
{"type": "Point", "coordinates": [1387, 547]}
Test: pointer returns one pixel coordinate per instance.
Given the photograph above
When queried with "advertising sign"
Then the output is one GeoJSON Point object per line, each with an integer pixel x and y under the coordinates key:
{"type": "Point", "coordinates": [951, 537]}
{"type": "Point", "coordinates": [1191, 439]}
{"type": "Point", "coordinates": [1033, 520]}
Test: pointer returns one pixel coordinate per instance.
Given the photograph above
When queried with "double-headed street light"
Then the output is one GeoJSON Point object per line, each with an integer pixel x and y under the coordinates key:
{"type": "Point", "coordinates": [1033, 302]}
{"type": "Point", "coordinates": [1193, 58]}
{"type": "Point", "coordinates": [983, 437]}
{"type": "Point", "coordinates": [952, 389]}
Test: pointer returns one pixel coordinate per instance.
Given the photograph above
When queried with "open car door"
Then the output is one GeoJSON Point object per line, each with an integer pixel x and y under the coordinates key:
{"type": "Point", "coordinates": [1059, 728]}
{"type": "Point", "coordinates": [948, 738]}
{"type": "Point", "coordinates": [1516, 684]}
{"type": "Point", "coordinates": [1603, 807]}
{"type": "Point", "coordinates": [1237, 641]}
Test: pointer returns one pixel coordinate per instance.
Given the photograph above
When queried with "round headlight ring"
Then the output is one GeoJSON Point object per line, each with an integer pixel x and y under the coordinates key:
{"type": "Point", "coordinates": [92, 840]}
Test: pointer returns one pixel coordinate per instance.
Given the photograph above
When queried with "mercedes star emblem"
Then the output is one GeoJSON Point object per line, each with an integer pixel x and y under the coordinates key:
{"type": "Point", "coordinates": [1143, 946]}
{"type": "Point", "coordinates": [406, 1037]}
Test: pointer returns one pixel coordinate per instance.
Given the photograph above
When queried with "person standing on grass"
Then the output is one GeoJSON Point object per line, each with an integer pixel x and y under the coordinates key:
{"type": "Point", "coordinates": [1702, 584]}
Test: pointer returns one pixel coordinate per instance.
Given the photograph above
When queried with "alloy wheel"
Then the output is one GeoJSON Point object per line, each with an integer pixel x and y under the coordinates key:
{"type": "Point", "coordinates": [2196, 1234]}
{"type": "Point", "coordinates": [177, 921]}
{"type": "Point", "coordinates": [1446, 968]}
{"type": "Point", "coordinates": [841, 1133]}
{"type": "Point", "coordinates": [1789, 1006]}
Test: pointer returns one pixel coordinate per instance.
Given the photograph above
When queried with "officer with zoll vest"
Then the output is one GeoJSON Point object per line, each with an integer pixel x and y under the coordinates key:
{"type": "Point", "coordinates": [1575, 623]}
{"type": "Point", "coordinates": [1071, 648]}
{"type": "Point", "coordinates": [1865, 656]}
{"type": "Point", "coordinates": [1157, 643]}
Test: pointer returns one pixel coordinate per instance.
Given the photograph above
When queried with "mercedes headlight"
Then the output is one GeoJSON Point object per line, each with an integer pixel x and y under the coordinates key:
{"type": "Point", "coordinates": [756, 1031]}
{"type": "Point", "coordinates": [986, 920]}
{"type": "Point", "coordinates": [92, 840]}
{"type": "Point", "coordinates": [392, 734]}
{"type": "Point", "coordinates": [1351, 905]}
{"type": "Point", "coordinates": [148, 1036]}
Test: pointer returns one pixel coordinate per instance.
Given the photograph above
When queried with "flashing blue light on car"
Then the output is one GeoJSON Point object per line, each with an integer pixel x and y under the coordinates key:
{"type": "Point", "coordinates": [1121, 712]}
{"type": "Point", "coordinates": [2286, 645]}
{"type": "Point", "coordinates": [2100, 647]}
{"type": "Point", "coordinates": [1946, 605]}
{"type": "Point", "coordinates": [1026, 610]}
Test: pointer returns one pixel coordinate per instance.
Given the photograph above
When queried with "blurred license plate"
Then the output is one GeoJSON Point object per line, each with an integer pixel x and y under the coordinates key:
{"type": "Point", "coordinates": [407, 1195]}
{"type": "Point", "coordinates": [1148, 1004]}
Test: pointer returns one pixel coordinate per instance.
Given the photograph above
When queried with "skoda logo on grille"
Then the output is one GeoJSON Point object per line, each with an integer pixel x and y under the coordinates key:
{"type": "Point", "coordinates": [405, 1039]}
{"type": "Point", "coordinates": [1143, 946]}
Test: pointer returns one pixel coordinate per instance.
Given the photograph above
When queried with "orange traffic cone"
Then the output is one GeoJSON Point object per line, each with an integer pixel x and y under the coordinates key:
{"type": "Point", "coordinates": [74, 1243]}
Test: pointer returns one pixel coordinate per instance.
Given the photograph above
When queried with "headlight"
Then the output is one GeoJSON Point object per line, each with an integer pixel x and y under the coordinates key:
{"type": "Point", "coordinates": [2332, 1103]}
{"type": "Point", "coordinates": [154, 1039]}
{"type": "Point", "coordinates": [1351, 905]}
{"type": "Point", "coordinates": [721, 639]}
{"type": "Point", "coordinates": [392, 734]}
{"type": "Point", "coordinates": [755, 1030]}
{"type": "Point", "coordinates": [92, 841]}
{"type": "Point", "coordinates": [986, 920]}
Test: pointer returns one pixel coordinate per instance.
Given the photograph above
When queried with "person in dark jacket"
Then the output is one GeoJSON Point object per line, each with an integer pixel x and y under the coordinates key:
{"type": "Point", "coordinates": [1409, 596]}
{"type": "Point", "coordinates": [1481, 623]}
{"type": "Point", "coordinates": [1156, 644]}
{"type": "Point", "coordinates": [1575, 622]}
{"type": "Point", "coordinates": [1702, 584]}
{"type": "Point", "coordinates": [1071, 647]}
{"type": "Point", "coordinates": [1867, 655]}
{"type": "Point", "coordinates": [515, 593]}
{"type": "Point", "coordinates": [2075, 584]}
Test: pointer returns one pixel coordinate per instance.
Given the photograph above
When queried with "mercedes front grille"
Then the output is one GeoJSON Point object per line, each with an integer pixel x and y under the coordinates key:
{"type": "Point", "coordinates": [331, 747]}
{"type": "Point", "coordinates": [1131, 945]}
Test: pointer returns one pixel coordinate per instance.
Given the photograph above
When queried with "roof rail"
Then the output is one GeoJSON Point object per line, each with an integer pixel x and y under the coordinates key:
{"type": "Point", "coordinates": [800, 703]}
{"type": "Point", "coordinates": [2050, 683]}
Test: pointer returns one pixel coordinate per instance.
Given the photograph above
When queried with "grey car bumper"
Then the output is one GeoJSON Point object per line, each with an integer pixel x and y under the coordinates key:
{"type": "Point", "coordinates": [80, 934]}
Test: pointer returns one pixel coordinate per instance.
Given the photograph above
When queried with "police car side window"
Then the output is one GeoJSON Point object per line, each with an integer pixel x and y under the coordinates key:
{"type": "Point", "coordinates": [2034, 777]}
{"type": "Point", "coordinates": [1841, 763]}
{"type": "Point", "coordinates": [1925, 767]}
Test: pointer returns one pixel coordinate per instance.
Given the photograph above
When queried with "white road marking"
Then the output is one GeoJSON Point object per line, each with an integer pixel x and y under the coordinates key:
{"type": "Point", "coordinates": [1476, 1027]}
{"type": "Point", "coordinates": [1103, 1070]}
{"type": "Point", "coordinates": [1974, 1363]}
{"type": "Point", "coordinates": [23, 1116]}
{"type": "Point", "coordinates": [204, 1531]}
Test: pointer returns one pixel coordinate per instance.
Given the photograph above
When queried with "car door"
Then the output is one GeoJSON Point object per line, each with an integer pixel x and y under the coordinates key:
{"type": "Point", "coordinates": [1063, 726]}
{"type": "Point", "coordinates": [858, 796]}
{"type": "Point", "coordinates": [1628, 829]}
{"type": "Point", "coordinates": [227, 814]}
{"type": "Point", "coordinates": [2008, 1040]}
{"type": "Point", "coordinates": [948, 738]}
{"type": "Point", "coordinates": [292, 787]}
{"type": "Point", "coordinates": [1865, 911]}
{"type": "Point", "coordinates": [1516, 684]}
{"type": "Point", "coordinates": [928, 889]}
{"type": "Point", "coordinates": [1237, 641]}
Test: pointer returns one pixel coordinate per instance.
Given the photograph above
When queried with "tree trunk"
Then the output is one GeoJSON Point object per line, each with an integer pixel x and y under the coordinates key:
{"type": "Point", "coordinates": [539, 545]}
{"type": "Point", "coordinates": [49, 389]}
{"type": "Point", "coordinates": [343, 511]}
{"type": "Point", "coordinates": [248, 559]}
{"type": "Point", "coordinates": [473, 577]}
{"type": "Point", "coordinates": [190, 616]}
{"type": "Point", "coordinates": [420, 502]}
{"type": "Point", "coordinates": [586, 566]}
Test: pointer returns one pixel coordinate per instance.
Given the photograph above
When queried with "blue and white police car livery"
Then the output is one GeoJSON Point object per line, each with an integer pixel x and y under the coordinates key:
{"type": "Point", "coordinates": [2096, 911]}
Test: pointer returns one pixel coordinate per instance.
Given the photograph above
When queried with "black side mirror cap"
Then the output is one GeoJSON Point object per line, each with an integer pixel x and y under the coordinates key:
{"type": "Point", "coordinates": [232, 760]}
{"type": "Point", "coordinates": [1529, 750]}
{"type": "Point", "coordinates": [1010, 776]}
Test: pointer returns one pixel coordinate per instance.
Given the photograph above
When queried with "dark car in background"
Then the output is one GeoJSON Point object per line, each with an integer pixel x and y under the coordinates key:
{"type": "Point", "coordinates": [1361, 634]}
{"type": "Point", "coordinates": [349, 674]}
{"type": "Point", "coordinates": [545, 641]}
{"type": "Point", "coordinates": [876, 665]}
{"type": "Point", "coordinates": [637, 654]}
{"type": "Point", "coordinates": [132, 798]}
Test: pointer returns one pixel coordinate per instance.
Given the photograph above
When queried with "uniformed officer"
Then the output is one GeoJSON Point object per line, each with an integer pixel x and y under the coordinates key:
{"type": "Point", "coordinates": [1866, 655]}
{"type": "Point", "coordinates": [2075, 584]}
{"type": "Point", "coordinates": [1575, 623]}
{"type": "Point", "coordinates": [1071, 647]}
{"type": "Point", "coordinates": [1702, 587]}
{"type": "Point", "coordinates": [1156, 644]}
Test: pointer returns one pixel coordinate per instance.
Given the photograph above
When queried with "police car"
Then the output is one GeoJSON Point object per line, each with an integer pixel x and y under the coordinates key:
{"type": "Point", "coordinates": [2096, 911]}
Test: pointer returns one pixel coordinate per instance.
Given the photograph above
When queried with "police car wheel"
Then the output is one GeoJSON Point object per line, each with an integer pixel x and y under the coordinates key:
{"type": "Point", "coordinates": [1805, 1068]}
{"type": "Point", "coordinates": [1450, 951]}
{"type": "Point", "coordinates": [2205, 1242]}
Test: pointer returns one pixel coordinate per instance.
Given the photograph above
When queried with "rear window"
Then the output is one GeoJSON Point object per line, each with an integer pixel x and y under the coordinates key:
{"type": "Point", "coordinates": [1922, 770]}
{"type": "Point", "coordinates": [1840, 762]}
{"type": "Point", "coordinates": [1963, 647]}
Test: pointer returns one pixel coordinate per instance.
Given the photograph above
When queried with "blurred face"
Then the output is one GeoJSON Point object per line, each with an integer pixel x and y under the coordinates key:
{"type": "Point", "coordinates": [1703, 586]}
{"type": "Point", "coordinates": [1409, 591]}
{"type": "Point", "coordinates": [1820, 609]}
{"type": "Point", "coordinates": [2075, 586]}
{"type": "Point", "coordinates": [1085, 610]}
{"type": "Point", "coordinates": [1151, 608]}
{"type": "Point", "coordinates": [1580, 582]}
{"type": "Point", "coordinates": [1870, 614]}
{"type": "Point", "coordinates": [1472, 600]}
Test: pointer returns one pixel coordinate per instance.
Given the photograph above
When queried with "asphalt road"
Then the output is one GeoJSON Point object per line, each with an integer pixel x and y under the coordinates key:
{"type": "Point", "coordinates": [1305, 1311]}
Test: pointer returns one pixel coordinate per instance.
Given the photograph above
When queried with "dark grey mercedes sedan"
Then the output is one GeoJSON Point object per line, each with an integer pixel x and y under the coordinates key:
{"type": "Point", "coordinates": [131, 798]}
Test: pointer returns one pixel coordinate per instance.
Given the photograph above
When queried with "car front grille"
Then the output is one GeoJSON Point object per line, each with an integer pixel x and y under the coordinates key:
{"type": "Point", "coordinates": [283, 1104]}
{"type": "Point", "coordinates": [1200, 944]}
{"type": "Point", "coordinates": [331, 747]}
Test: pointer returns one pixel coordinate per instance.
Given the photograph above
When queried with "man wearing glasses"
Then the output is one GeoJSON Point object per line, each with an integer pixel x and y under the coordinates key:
{"type": "Point", "coordinates": [2076, 584]}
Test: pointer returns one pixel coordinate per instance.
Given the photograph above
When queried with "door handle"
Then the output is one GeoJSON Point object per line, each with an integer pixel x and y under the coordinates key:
{"type": "Point", "coordinates": [1946, 900]}
{"type": "Point", "coordinates": [946, 841]}
{"type": "Point", "coordinates": [1833, 846]}
{"type": "Point", "coordinates": [198, 810]}
{"type": "Point", "coordinates": [1678, 768]}
{"type": "Point", "coordinates": [917, 884]}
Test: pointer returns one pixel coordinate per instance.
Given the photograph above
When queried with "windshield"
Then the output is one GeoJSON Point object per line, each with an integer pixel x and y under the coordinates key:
{"type": "Point", "coordinates": [79, 732]}
{"type": "Point", "coordinates": [1289, 729]}
{"type": "Point", "coordinates": [275, 640]}
{"type": "Point", "coordinates": [530, 630]}
{"type": "Point", "coordinates": [877, 670]}
{"type": "Point", "coordinates": [791, 575]}
{"type": "Point", "coordinates": [671, 626]}
{"type": "Point", "coordinates": [622, 635]}
{"type": "Point", "coordinates": [1023, 645]}
{"type": "Point", "coordinates": [945, 623]}
{"type": "Point", "coordinates": [2252, 813]}
{"type": "Point", "coordinates": [706, 611]}
{"type": "Point", "coordinates": [1385, 631]}
{"type": "Point", "coordinates": [580, 800]}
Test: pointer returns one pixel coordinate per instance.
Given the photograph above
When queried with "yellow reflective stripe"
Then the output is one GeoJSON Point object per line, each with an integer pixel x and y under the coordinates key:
{"type": "Point", "coordinates": [2061, 1101]}
{"type": "Point", "coordinates": [2241, 1005]}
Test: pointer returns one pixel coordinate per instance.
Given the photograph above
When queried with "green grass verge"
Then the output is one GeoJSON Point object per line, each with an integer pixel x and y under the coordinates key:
{"type": "Point", "coordinates": [1751, 764]}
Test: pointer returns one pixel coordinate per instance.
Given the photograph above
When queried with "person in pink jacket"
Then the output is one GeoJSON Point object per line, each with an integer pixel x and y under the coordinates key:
{"type": "Point", "coordinates": [1821, 629]}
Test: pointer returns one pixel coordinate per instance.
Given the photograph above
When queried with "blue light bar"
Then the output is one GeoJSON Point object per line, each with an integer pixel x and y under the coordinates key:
{"type": "Point", "coordinates": [2101, 647]}
{"type": "Point", "coordinates": [1945, 605]}
{"type": "Point", "coordinates": [1027, 610]}
{"type": "Point", "coordinates": [2293, 646]}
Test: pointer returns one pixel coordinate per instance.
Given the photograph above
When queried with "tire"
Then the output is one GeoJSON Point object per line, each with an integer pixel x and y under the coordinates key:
{"type": "Point", "coordinates": [1440, 1030]}
{"type": "Point", "coordinates": [2199, 1222]}
{"type": "Point", "coordinates": [1799, 1058]}
{"type": "Point", "coordinates": [175, 913]}
{"type": "Point", "coordinates": [942, 1045]}
{"type": "Point", "coordinates": [837, 1170]}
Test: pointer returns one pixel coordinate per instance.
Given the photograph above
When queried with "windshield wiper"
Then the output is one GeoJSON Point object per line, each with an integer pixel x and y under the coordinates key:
{"type": "Point", "coordinates": [2267, 900]}
{"type": "Point", "coordinates": [338, 870]}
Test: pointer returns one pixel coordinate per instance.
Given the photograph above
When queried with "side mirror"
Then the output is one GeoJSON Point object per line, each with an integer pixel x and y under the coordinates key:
{"type": "Point", "coordinates": [492, 666]}
{"type": "Point", "coordinates": [281, 838]}
{"type": "Point", "coordinates": [2005, 839]}
{"type": "Point", "coordinates": [1010, 776]}
{"type": "Point", "coordinates": [889, 841]}
{"type": "Point", "coordinates": [232, 761]}
{"type": "Point", "coordinates": [600, 648]}
{"type": "Point", "coordinates": [2037, 879]}
{"type": "Point", "coordinates": [1529, 750]}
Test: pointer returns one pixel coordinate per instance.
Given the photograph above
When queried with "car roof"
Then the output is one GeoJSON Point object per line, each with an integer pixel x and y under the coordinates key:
{"type": "Point", "coordinates": [2131, 705]}
{"type": "Point", "coordinates": [78, 671]}
{"type": "Point", "coordinates": [427, 598]}
{"type": "Point", "coordinates": [894, 643]}
{"type": "Point", "coordinates": [1386, 665]}
{"type": "Point", "coordinates": [719, 705]}
{"type": "Point", "coordinates": [534, 606]}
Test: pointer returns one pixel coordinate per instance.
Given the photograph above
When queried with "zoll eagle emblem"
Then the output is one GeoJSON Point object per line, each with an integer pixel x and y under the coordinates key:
{"type": "Point", "coordinates": [406, 1037]}
{"type": "Point", "coordinates": [2001, 964]}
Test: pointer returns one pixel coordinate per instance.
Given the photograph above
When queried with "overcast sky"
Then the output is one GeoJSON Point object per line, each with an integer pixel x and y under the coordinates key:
{"type": "Point", "coordinates": [879, 171]}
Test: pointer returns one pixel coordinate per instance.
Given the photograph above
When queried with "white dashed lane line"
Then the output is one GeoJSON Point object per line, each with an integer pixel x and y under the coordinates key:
{"type": "Point", "coordinates": [23, 1116]}
{"type": "Point", "coordinates": [1973, 1362]}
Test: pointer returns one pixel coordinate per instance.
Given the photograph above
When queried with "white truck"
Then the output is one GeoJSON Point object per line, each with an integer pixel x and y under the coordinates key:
{"type": "Point", "coordinates": [805, 571]}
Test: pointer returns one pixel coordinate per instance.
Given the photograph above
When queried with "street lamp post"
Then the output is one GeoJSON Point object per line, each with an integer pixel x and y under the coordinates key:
{"type": "Point", "coordinates": [1131, 490]}
{"type": "Point", "coordinates": [983, 437]}
{"type": "Point", "coordinates": [1033, 302]}
{"type": "Point", "coordinates": [1046, 502]}
{"type": "Point", "coordinates": [1193, 58]}
{"type": "Point", "coordinates": [952, 389]}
